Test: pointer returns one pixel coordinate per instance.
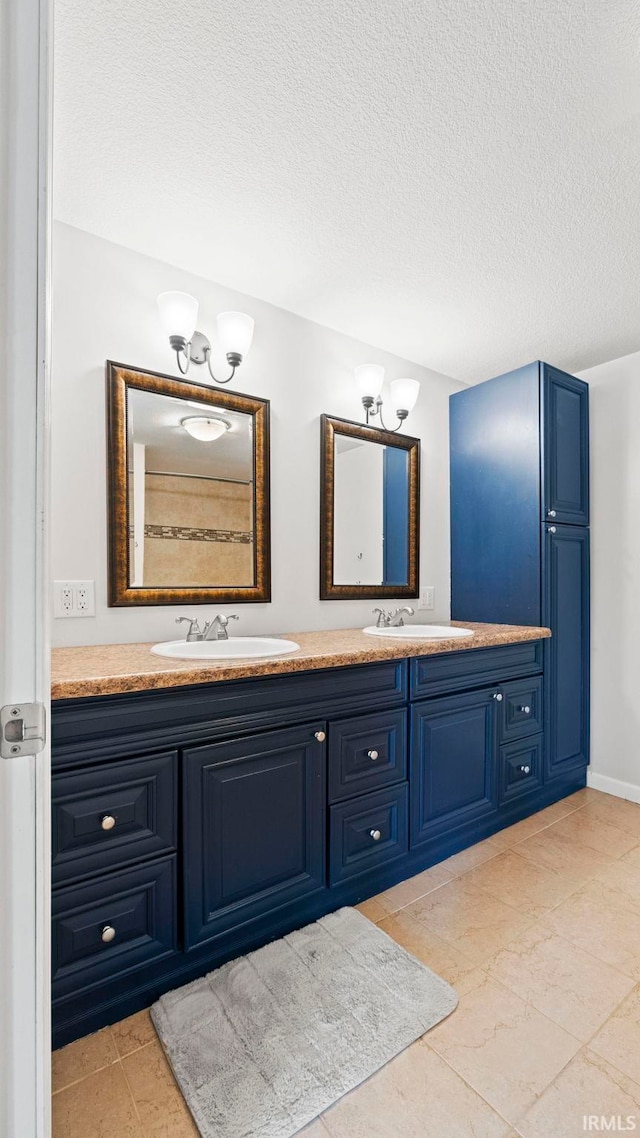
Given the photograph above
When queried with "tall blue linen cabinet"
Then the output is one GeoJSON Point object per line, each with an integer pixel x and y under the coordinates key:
{"type": "Point", "coordinates": [520, 532]}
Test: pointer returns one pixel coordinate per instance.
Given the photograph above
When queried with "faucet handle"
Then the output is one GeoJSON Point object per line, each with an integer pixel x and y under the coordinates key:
{"type": "Point", "coordinates": [397, 616]}
{"type": "Point", "coordinates": [383, 618]}
{"type": "Point", "coordinates": [194, 628]}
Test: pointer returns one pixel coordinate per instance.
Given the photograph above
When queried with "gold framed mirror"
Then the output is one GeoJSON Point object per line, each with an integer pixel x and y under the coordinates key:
{"type": "Point", "coordinates": [188, 480]}
{"type": "Point", "coordinates": [369, 512]}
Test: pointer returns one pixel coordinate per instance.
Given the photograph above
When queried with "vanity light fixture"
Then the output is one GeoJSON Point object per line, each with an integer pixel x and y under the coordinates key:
{"type": "Point", "coordinates": [404, 393]}
{"type": "Point", "coordinates": [179, 314]}
{"type": "Point", "coordinates": [204, 428]}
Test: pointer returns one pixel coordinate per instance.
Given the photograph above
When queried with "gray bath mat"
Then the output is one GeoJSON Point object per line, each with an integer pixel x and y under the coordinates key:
{"type": "Point", "coordinates": [264, 1044]}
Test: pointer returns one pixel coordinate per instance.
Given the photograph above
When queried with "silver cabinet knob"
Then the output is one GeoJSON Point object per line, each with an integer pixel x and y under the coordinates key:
{"type": "Point", "coordinates": [108, 933]}
{"type": "Point", "coordinates": [498, 697]}
{"type": "Point", "coordinates": [108, 822]}
{"type": "Point", "coordinates": [551, 529]}
{"type": "Point", "coordinates": [376, 835]}
{"type": "Point", "coordinates": [525, 710]}
{"type": "Point", "coordinates": [551, 513]}
{"type": "Point", "coordinates": [320, 736]}
{"type": "Point", "coordinates": [372, 755]}
{"type": "Point", "coordinates": [525, 770]}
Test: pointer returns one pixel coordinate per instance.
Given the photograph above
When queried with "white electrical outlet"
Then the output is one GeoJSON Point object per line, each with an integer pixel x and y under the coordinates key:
{"type": "Point", "coordinates": [427, 599]}
{"type": "Point", "coordinates": [74, 598]}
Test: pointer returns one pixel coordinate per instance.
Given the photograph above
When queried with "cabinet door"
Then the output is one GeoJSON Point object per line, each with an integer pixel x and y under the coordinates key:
{"type": "Point", "coordinates": [453, 762]}
{"type": "Point", "coordinates": [254, 826]}
{"type": "Point", "coordinates": [565, 413]}
{"type": "Point", "coordinates": [566, 612]}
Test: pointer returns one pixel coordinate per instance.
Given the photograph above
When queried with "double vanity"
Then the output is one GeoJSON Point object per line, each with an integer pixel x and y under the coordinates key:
{"type": "Point", "coordinates": [213, 793]}
{"type": "Point", "coordinates": [203, 808]}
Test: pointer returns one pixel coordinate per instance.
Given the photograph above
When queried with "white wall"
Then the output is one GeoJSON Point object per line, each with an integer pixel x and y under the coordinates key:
{"type": "Point", "coordinates": [615, 575]}
{"type": "Point", "coordinates": [104, 307]}
{"type": "Point", "coordinates": [358, 519]}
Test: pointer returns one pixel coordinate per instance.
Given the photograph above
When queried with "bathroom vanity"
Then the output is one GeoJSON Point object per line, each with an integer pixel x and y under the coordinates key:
{"type": "Point", "coordinates": [202, 810]}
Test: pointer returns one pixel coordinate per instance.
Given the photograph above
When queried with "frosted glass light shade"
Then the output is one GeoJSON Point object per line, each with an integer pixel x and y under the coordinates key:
{"type": "Point", "coordinates": [203, 429]}
{"type": "Point", "coordinates": [235, 332]}
{"type": "Point", "coordinates": [404, 394]}
{"type": "Point", "coordinates": [178, 313]}
{"type": "Point", "coordinates": [369, 379]}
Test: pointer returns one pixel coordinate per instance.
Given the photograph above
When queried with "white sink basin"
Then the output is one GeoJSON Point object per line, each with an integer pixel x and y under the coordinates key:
{"type": "Point", "coordinates": [420, 632]}
{"type": "Point", "coordinates": [235, 648]}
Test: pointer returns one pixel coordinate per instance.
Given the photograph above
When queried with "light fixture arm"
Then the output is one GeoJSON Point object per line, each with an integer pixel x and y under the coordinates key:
{"type": "Point", "coordinates": [198, 351]}
{"type": "Point", "coordinates": [181, 348]}
{"type": "Point", "coordinates": [234, 360]}
{"type": "Point", "coordinates": [373, 408]}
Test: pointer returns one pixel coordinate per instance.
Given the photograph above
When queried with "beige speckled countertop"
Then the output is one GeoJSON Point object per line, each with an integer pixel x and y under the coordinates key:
{"type": "Point", "coordinates": [109, 669]}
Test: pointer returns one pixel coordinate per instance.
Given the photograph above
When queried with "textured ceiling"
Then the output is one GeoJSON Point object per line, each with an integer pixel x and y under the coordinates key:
{"type": "Point", "coordinates": [453, 181]}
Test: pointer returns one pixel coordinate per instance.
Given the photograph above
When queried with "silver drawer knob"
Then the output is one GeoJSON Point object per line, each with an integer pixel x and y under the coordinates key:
{"type": "Point", "coordinates": [108, 933]}
{"type": "Point", "coordinates": [525, 770]}
{"type": "Point", "coordinates": [320, 736]}
{"type": "Point", "coordinates": [498, 697]}
{"type": "Point", "coordinates": [372, 755]}
{"type": "Point", "coordinates": [552, 529]}
{"type": "Point", "coordinates": [551, 513]}
{"type": "Point", "coordinates": [108, 822]}
{"type": "Point", "coordinates": [376, 835]}
{"type": "Point", "coordinates": [525, 710]}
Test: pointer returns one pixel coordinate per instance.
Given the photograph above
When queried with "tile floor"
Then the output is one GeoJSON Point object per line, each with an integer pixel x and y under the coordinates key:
{"type": "Point", "coordinates": [538, 928]}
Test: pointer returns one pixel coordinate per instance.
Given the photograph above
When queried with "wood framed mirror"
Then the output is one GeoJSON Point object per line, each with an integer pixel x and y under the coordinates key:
{"type": "Point", "coordinates": [369, 512]}
{"type": "Point", "coordinates": [188, 483]}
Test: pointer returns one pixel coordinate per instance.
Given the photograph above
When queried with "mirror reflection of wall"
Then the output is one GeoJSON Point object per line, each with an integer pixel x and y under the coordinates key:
{"type": "Point", "coordinates": [358, 529]}
{"type": "Point", "coordinates": [371, 504]}
{"type": "Point", "coordinates": [191, 493]}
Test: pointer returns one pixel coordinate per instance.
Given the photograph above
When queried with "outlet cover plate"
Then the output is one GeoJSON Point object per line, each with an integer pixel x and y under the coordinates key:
{"type": "Point", "coordinates": [74, 599]}
{"type": "Point", "coordinates": [427, 599]}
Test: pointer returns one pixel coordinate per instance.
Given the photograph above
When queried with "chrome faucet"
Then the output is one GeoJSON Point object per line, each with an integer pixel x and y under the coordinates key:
{"type": "Point", "coordinates": [396, 619]}
{"type": "Point", "coordinates": [392, 619]}
{"type": "Point", "coordinates": [215, 629]}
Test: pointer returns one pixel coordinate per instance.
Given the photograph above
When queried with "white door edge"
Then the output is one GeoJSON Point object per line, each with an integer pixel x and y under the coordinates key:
{"type": "Point", "coordinates": [25, 233]}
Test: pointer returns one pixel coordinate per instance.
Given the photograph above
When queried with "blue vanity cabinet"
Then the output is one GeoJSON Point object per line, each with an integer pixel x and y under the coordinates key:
{"type": "Point", "coordinates": [453, 763]}
{"type": "Point", "coordinates": [254, 827]}
{"type": "Point", "coordinates": [194, 825]}
{"type": "Point", "coordinates": [519, 536]}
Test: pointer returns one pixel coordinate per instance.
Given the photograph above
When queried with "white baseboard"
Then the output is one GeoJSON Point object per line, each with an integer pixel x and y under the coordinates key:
{"type": "Point", "coordinates": [615, 786]}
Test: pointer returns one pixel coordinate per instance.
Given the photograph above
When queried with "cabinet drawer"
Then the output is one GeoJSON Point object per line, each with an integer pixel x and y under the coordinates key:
{"type": "Point", "coordinates": [366, 753]}
{"type": "Point", "coordinates": [521, 712]}
{"type": "Point", "coordinates": [457, 671]}
{"type": "Point", "coordinates": [112, 925]}
{"type": "Point", "coordinates": [353, 845]}
{"type": "Point", "coordinates": [109, 815]}
{"type": "Point", "coordinates": [520, 767]}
